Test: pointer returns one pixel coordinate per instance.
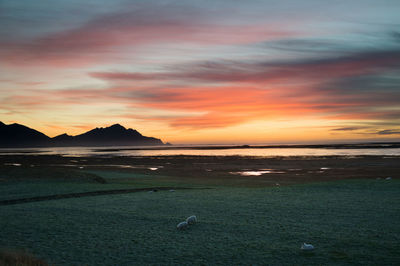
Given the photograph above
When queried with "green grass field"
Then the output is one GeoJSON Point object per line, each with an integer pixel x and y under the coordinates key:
{"type": "Point", "coordinates": [353, 222]}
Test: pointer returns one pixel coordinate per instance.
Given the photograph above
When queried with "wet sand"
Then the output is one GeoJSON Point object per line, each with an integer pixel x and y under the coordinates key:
{"type": "Point", "coordinates": [228, 170]}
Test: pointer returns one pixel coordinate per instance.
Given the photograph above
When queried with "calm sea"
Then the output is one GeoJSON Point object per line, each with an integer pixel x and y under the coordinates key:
{"type": "Point", "coordinates": [203, 151]}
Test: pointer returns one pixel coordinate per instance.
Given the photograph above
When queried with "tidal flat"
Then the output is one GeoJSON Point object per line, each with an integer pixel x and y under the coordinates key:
{"type": "Point", "coordinates": [347, 207]}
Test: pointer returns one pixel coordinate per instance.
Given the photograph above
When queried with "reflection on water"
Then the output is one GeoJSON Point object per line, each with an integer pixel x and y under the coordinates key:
{"type": "Point", "coordinates": [12, 164]}
{"type": "Point", "coordinates": [257, 152]}
{"type": "Point", "coordinates": [257, 172]}
{"type": "Point", "coordinates": [250, 173]}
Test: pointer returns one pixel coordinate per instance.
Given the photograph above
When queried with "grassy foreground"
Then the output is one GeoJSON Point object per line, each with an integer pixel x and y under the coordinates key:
{"type": "Point", "coordinates": [349, 222]}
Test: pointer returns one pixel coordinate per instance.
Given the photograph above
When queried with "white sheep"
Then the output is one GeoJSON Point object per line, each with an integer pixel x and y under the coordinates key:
{"type": "Point", "coordinates": [182, 226]}
{"type": "Point", "coordinates": [307, 247]}
{"type": "Point", "coordinates": [388, 178]}
{"type": "Point", "coordinates": [191, 219]}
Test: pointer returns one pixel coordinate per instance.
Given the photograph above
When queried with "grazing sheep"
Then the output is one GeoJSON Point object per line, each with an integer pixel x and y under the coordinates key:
{"type": "Point", "coordinates": [191, 219]}
{"type": "Point", "coordinates": [388, 178]}
{"type": "Point", "coordinates": [307, 247]}
{"type": "Point", "coordinates": [182, 226]}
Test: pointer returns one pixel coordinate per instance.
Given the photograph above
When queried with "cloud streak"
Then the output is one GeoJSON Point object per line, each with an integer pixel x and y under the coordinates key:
{"type": "Point", "coordinates": [388, 132]}
{"type": "Point", "coordinates": [324, 70]}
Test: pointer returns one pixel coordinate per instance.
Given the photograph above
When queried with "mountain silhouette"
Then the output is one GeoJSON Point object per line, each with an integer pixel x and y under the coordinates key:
{"type": "Point", "coordinates": [16, 135]}
{"type": "Point", "coordinates": [115, 135]}
{"type": "Point", "coordinates": [62, 138]}
{"type": "Point", "coordinates": [109, 134]}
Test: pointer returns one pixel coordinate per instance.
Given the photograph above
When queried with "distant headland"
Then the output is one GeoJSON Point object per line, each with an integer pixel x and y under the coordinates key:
{"type": "Point", "coordinates": [16, 136]}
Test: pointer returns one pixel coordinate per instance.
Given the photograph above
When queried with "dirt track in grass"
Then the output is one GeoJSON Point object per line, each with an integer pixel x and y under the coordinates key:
{"type": "Point", "coordinates": [88, 194]}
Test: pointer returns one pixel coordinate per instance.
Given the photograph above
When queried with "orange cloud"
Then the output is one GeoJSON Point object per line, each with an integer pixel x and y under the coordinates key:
{"type": "Point", "coordinates": [246, 91]}
{"type": "Point", "coordinates": [222, 106]}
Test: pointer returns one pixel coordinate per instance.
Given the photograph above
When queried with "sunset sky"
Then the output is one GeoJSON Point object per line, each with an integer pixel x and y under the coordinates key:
{"type": "Point", "coordinates": [204, 71]}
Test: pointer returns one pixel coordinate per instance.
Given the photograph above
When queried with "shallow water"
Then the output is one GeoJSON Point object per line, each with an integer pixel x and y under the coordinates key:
{"type": "Point", "coordinates": [200, 151]}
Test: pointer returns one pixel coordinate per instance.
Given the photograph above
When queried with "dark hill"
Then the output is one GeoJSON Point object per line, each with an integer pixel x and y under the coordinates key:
{"type": "Point", "coordinates": [62, 140]}
{"type": "Point", "coordinates": [15, 135]}
{"type": "Point", "coordinates": [113, 136]}
{"type": "Point", "coordinates": [109, 134]}
{"type": "Point", "coordinates": [63, 137]}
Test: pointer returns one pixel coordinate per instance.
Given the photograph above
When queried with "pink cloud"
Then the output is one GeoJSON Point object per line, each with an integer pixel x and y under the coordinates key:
{"type": "Point", "coordinates": [102, 38]}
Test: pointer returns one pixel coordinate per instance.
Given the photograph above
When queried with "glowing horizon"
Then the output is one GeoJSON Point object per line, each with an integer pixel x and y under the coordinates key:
{"type": "Point", "coordinates": [204, 72]}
